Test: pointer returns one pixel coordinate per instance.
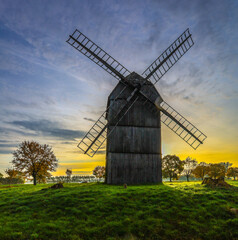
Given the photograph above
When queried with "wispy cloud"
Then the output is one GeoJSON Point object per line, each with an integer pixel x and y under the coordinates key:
{"type": "Point", "coordinates": [3, 152]}
{"type": "Point", "coordinates": [89, 119]}
{"type": "Point", "coordinates": [48, 128]}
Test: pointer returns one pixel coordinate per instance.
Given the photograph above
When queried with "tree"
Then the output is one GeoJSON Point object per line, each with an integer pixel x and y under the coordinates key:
{"type": "Point", "coordinates": [172, 166]}
{"type": "Point", "coordinates": [12, 173]}
{"type": "Point", "coordinates": [232, 172]}
{"type": "Point", "coordinates": [68, 173]}
{"type": "Point", "coordinates": [1, 175]}
{"type": "Point", "coordinates": [216, 170]}
{"type": "Point", "coordinates": [189, 165]}
{"type": "Point", "coordinates": [226, 165]}
{"type": "Point", "coordinates": [201, 170]}
{"type": "Point", "coordinates": [33, 159]}
{"type": "Point", "coordinates": [99, 172]}
{"type": "Point", "coordinates": [42, 176]}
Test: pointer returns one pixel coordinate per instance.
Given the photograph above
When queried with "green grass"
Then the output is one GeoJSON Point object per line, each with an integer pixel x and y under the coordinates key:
{"type": "Point", "coordinates": [98, 211]}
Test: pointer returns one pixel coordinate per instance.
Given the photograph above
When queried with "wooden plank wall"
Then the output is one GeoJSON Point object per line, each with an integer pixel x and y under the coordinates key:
{"type": "Point", "coordinates": [134, 147]}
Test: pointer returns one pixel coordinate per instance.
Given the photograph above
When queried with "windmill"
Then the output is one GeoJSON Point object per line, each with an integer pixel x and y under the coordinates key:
{"type": "Point", "coordinates": [132, 120]}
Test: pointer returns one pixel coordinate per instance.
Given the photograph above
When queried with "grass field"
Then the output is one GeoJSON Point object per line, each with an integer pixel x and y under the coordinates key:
{"type": "Point", "coordinates": [98, 211]}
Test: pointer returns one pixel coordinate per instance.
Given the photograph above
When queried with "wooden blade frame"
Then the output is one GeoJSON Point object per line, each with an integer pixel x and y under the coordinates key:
{"type": "Point", "coordinates": [181, 126]}
{"type": "Point", "coordinates": [99, 132]}
{"type": "Point", "coordinates": [97, 135]}
{"type": "Point", "coordinates": [178, 124]}
{"type": "Point", "coordinates": [91, 50]}
{"type": "Point", "coordinates": [169, 57]}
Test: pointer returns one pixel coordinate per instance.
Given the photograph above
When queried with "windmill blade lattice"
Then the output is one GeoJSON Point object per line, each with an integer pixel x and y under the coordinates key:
{"type": "Point", "coordinates": [99, 132]}
{"type": "Point", "coordinates": [169, 57]}
{"type": "Point", "coordinates": [181, 126]}
{"type": "Point", "coordinates": [97, 135]}
{"type": "Point", "coordinates": [91, 50]}
{"type": "Point", "coordinates": [178, 124]}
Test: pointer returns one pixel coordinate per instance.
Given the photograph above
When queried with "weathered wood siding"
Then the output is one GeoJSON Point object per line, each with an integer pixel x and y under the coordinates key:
{"type": "Point", "coordinates": [133, 168]}
{"type": "Point", "coordinates": [134, 147]}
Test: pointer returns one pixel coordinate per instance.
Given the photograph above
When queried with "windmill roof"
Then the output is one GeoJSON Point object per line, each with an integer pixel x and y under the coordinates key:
{"type": "Point", "coordinates": [136, 80]}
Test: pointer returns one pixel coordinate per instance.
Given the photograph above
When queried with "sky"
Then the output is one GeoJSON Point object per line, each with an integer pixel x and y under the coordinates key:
{"type": "Point", "coordinates": [50, 93]}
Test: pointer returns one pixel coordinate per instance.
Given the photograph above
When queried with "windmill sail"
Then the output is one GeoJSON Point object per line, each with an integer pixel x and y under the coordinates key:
{"type": "Point", "coordinates": [91, 50]}
{"type": "Point", "coordinates": [97, 135]}
{"type": "Point", "coordinates": [178, 124]}
{"type": "Point", "coordinates": [169, 57]}
{"type": "Point", "coordinates": [99, 132]}
{"type": "Point", "coordinates": [181, 126]}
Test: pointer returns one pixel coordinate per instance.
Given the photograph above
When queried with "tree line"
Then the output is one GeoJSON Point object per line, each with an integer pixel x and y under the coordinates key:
{"type": "Point", "coordinates": [34, 161]}
{"type": "Point", "coordinates": [71, 179]}
{"type": "Point", "coordinates": [13, 177]}
{"type": "Point", "coordinates": [98, 175]}
{"type": "Point", "coordinates": [173, 168]}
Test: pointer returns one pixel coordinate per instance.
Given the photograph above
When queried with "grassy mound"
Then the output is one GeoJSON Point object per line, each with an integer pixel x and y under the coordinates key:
{"type": "Point", "coordinates": [98, 211]}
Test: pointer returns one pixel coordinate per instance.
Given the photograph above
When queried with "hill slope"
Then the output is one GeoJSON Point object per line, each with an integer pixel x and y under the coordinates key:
{"type": "Point", "coordinates": [98, 211]}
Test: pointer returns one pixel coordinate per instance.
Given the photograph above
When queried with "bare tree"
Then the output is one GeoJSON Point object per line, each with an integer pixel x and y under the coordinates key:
{"type": "Point", "coordinates": [189, 165]}
{"type": "Point", "coordinates": [34, 160]}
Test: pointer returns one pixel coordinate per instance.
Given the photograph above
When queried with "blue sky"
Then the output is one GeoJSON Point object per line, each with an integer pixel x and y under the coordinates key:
{"type": "Point", "coordinates": [50, 93]}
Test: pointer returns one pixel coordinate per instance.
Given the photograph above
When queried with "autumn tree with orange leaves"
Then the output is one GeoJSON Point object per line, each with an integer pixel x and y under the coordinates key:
{"type": "Point", "coordinates": [216, 170]}
{"type": "Point", "coordinates": [12, 173]}
{"type": "Point", "coordinates": [172, 167]}
{"type": "Point", "coordinates": [34, 160]}
{"type": "Point", "coordinates": [232, 172]}
{"type": "Point", "coordinates": [201, 170]}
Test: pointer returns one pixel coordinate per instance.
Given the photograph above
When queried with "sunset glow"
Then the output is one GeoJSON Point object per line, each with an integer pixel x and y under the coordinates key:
{"type": "Point", "coordinates": [52, 94]}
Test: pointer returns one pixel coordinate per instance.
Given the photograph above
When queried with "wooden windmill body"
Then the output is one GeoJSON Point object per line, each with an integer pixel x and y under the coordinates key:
{"type": "Point", "coordinates": [131, 124]}
{"type": "Point", "coordinates": [133, 153]}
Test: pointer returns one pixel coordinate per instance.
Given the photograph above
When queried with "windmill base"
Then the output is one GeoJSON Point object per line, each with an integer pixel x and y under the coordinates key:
{"type": "Point", "coordinates": [132, 168]}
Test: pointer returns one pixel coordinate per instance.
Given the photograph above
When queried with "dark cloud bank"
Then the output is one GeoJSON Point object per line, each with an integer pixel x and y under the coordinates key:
{"type": "Point", "coordinates": [48, 128]}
